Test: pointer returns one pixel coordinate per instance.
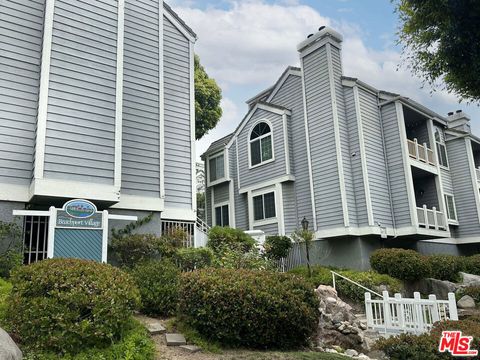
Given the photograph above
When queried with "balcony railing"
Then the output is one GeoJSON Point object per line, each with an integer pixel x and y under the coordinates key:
{"type": "Point", "coordinates": [431, 218]}
{"type": "Point", "coordinates": [420, 152]}
{"type": "Point", "coordinates": [477, 170]}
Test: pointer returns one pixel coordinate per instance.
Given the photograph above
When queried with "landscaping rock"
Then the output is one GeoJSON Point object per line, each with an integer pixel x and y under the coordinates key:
{"type": "Point", "coordinates": [470, 279]}
{"type": "Point", "coordinates": [466, 302]}
{"type": "Point", "coordinates": [190, 348]}
{"type": "Point", "coordinates": [8, 349]}
{"type": "Point", "coordinates": [351, 352]}
{"type": "Point", "coordinates": [175, 339]}
{"type": "Point", "coordinates": [437, 287]}
{"type": "Point", "coordinates": [338, 325]}
{"type": "Point", "coordinates": [155, 328]}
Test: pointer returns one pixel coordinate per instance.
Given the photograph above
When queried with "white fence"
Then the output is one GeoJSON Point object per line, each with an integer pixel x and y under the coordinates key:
{"type": "Point", "coordinates": [417, 315]}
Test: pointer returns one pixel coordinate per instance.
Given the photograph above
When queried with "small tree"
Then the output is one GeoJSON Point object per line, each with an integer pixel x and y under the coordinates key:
{"type": "Point", "coordinates": [305, 236]}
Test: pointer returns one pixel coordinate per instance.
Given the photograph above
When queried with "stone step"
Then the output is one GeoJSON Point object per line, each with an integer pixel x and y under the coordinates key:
{"type": "Point", "coordinates": [175, 339]}
{"type": "Point", "coordinates": [190, 348]}
{"type": "Point", "coordinates": [153, 326]}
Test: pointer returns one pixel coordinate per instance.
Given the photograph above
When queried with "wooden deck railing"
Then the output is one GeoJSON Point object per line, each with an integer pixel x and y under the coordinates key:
{"type": "Point", "coordinates": [420, 152]}
{"type": "Point", "coordinates": [431, 218]}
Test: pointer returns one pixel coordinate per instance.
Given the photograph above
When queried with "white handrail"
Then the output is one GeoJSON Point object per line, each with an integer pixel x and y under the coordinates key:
{"type": "Point", "coordinates": [353, 282]}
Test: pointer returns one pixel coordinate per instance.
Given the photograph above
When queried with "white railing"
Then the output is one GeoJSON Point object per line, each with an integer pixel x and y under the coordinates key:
{"type": "Point", "coordinates": [200, 233]}
{"type": "Point", "coordinates": [420, 152]}
{"type": "Point", "coordinates": [188, 227]}
{"type": "Point", "coordinates": [477, 170]}
{"type": "Point", "coordinates": [417, 315]}
{"type": "Point", "coordinates": [351, 281]}
{"type": "Point", "coordinates": [431, 218]}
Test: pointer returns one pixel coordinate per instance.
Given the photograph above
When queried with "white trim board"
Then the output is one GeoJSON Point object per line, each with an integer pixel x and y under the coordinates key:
{"type": "Point", "coordinates": [134, 202]}
{"type": "Point", "coordinates": [267, 183]}
{"type": "Point", "coordinates": [249, 151]}
{"type": "Point", "coordinates": [12, 192]}
{"type": "Point", "coordinates": [43, 89]}
{"type": "Point", "coordinates": [178, 25]}
{"type": "Point", "coordinates": [178, 214]}
{"type": "Point", "coordinates": [281, 81]}
{"type": "Point", "coordinates": [192, 127]}
{"type": "Point", "coordinates": [376, 230]}
{"type": "Point", "coordinates": [161, 99]}
{"type": "Point", "coordinates": [473, 176]}
{"type": "Point", "coordinates": [119, 95]}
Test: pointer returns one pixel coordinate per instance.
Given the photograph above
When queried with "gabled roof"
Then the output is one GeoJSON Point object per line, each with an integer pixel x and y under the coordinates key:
{"type": "Point", "coordinates": [218, 144]}
{"type": "Point", "coordinates": [179, 20]}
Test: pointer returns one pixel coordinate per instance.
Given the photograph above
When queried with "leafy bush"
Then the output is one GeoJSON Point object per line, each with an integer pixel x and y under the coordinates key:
{"type": "Point", "coordinates": [238, 259]}
{"type": "Point", "coordinates": [425, 347]}
{"type": "Point", "coordinates": [189, 259]}
{"type": "Point", "coordinates": [5, 289]}
{"type": "Point", "coordinates": [12, 255]}
{"type": "Point", "coordinates": [445, 267]}
{"type": "Point", "coordinates": [277, 247]}
{"type": "Point", "coordinates": [67, 305]}
{"type": "Point", "coordinates": [473, 291]}
{"type": "Point", "coordinates": [472, 264]}
{"type": "Point", "coordinates": [135, 344]}
{"type": "Point", "coordinates": [402, 264]}
{"type": "Point", "coordinates": [134, 249]}
{"type": "Point", "coordinates": [158, 285]}
{"type": "Point", "coordinates": [258, 309]}
{"type": "Point", "coordinates": [225, 238]}
{"type": "Point", "coordinates": [345, 289]}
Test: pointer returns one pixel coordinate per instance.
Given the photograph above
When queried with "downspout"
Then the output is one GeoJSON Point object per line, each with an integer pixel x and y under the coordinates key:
{"type": "Point", "coordinates": [392, 213]}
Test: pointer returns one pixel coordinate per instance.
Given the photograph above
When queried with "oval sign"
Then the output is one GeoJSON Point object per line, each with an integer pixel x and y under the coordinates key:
{"type": "Point", "coordinates": [80, 209]}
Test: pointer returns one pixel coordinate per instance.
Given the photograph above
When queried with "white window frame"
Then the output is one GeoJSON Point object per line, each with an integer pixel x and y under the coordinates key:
{"type": "Point", "coordinates": [214, 215]}
{"type": "Point", "coordinates": [442, 143]}
{"type": "Point", "coordinates": [447, 213]}
{"type": "Point", "coordinates": [225, 168]}
{"type": "Point", "coordinates": [272, 220]}
{"type": "Point", "coordinates": [250, 166]}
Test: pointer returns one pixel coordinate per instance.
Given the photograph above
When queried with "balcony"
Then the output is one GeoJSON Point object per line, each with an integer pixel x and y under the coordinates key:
{"type": "Point", "coordinates": [431, 218]}
{"type": "Point", "coordinates": [420, 152]}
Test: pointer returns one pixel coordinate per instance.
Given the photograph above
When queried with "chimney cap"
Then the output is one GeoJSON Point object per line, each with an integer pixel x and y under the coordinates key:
{"type": "Point", "coordinates": [450, 113]}
{"type": "Point", "coordinates": [309, 36]}
{"type": "Point", "coordinates": [458, 111]}
{"type": "Point", "coordinates": [324, 32]}
{"type": "Point", "coordinates": [321, 28]}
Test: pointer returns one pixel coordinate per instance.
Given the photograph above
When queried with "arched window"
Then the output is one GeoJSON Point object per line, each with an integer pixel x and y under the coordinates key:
{"type": "Point", "coordinates": [261, 144]}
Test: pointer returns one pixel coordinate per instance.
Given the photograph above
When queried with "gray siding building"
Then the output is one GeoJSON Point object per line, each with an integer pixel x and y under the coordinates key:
{"type": "Point", "coordinates": [97, 103]}
{"type": "Point", "coordinates": [367, 168]}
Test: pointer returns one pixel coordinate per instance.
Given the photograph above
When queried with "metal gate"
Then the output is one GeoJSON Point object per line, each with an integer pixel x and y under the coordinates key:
{"type": "Point", "coordinates": [35, 238]}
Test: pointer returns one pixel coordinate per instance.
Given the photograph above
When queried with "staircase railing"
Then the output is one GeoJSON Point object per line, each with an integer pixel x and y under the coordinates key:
{"type": "Point", "coordinates": [353, 282]}
{"type": "Point", "coordinates": [202, 225]}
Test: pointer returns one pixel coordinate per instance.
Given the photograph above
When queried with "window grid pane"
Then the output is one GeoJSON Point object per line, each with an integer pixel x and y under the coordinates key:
{"type": "Point", "coordinates": [258, 208]}
{"type": "Point", "coordinates": [255, 152]}
{"type": "Point", "coordinates": [213, 170]}
{"type": "Point", "coordinates": [266, 148]}
{"type": "Point", "coordinates": [218, 216]}
{"type": "Point", "coordinates": [220, 167]}
{"type": "Point", "coordinates": [269, 205]}
{"type": "Point", "coordinates": [450, 207]}
{"type": "Point", "coordinates": [225, 218]}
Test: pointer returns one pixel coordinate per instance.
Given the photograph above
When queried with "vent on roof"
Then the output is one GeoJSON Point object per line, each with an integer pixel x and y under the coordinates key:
{"type": "Point", "coordinates": [450, 113]}
{"type": "Point", "coordinates": [458, 111]}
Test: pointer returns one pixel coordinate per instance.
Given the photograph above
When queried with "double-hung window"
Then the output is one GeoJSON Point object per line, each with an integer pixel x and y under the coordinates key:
{"type": "Point", "coordinates": [216, 167]}
{"type": "Point", "coordinates": [441, 150]}
{"type": "Point", "coordinates": [261, 147]}
{"type": "Point", "coordinates": [264, 206]}
{"type": "Point", "coordinates": [221, 216]}
{"type": "Point", "coordinates": [451, 210]}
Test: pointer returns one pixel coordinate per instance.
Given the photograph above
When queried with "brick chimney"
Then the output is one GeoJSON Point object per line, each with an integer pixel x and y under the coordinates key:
{"type": "Point", "coordinates": [459, 121]}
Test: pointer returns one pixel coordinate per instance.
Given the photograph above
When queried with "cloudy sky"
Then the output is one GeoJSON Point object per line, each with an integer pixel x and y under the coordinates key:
{"type": "Point", "coordinates": [246, 45]}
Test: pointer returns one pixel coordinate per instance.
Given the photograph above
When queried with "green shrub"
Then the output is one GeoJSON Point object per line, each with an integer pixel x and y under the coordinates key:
{"type": "Point", "coordinates": [5, 289]}
{"type": "Point", "coordinates": [158, 285]}
{"type": "Point", "coordinates": [134, 249]}
{"type": "Point", "coordinates": [225, 238]}
{"type": "Point", "coordinates": [189, 259]}
{"type": "Point", "coordinates": [11, 256]}
{"type": "Point", "coordinates": [345, 289]}
{"type": "Point", "coordinates": [472, 264]}
{"type": "Point", "coordinates": [425, 347]}
{"type": "Point", "coordinates": [277, 247]}
{"type": "Point", "coordinates": [258, 309]}
{"type": "Point", "coordinates": [135, 344]}
{"type": "Point", "coordinates": [67, 305]}
{"type": "Point", "coordinates": [473, 291]}
{"type": "Point", "coordinates": [238, 259]}
{"type": "Point", "coordinates": [407, 265]}
{"type": "Point", "coordinates": [445, 267]}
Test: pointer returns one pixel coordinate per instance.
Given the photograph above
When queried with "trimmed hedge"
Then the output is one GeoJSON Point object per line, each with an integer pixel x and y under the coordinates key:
{"type": "Point", "coordinates": [5, 289]}
{"type": "Point", "coordinates": [225, 238]}
{"type": "Point", "coordinates": [425, 347]}
{"type": "Point", "coordinates": [135, 344]}
{"type": "Point", "coordinates": [67, 305]}
{"type": "Point", "coordinates": [345, 289]}
{"type": "Point", "coordinates": [445, 267]}
{"type": "Point", "coordinates": [158, 285]}
{"type": "Point", "coordinates": [407, 265]}
{"type": "Point", "coordinates": [472, 264]}
{"type": "Point", "coordinates": [257, 309]}
{"type": "Point", "coordinates": [189, 259]}
{"type": "Point", "coordinates": [277, 247]}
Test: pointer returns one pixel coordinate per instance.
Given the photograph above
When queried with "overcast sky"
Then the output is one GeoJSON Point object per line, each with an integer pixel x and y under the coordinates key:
{"type": "Point", "coordinates": [246, 45]}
